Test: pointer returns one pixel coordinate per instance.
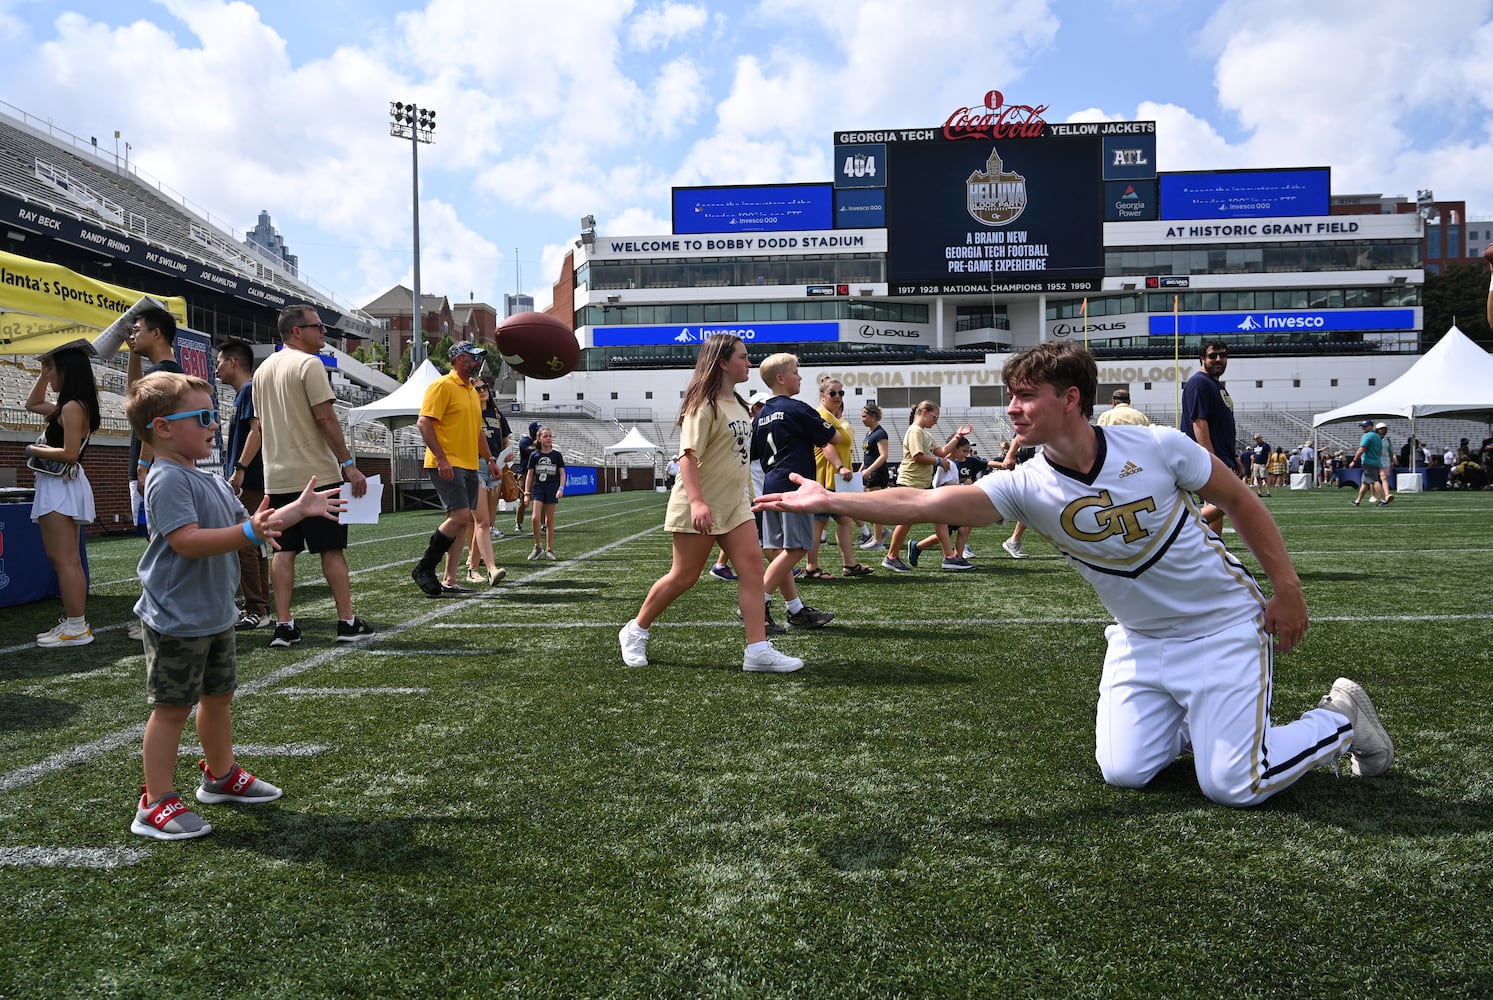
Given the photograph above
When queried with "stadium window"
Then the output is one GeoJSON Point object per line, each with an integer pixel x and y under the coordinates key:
{"type": "Point", "coordinates": [1147, 384]}
{"type": "Point", "coordinates": [1296, 383]}
{"type": "Point", "coordinates": [580, 396]}
{"type": "Point", "coordinates": [1373, 381]}
{"type": "Point", "coordinates": [614, 395]}
{"type": "Point", "coordinates": [545, 397]}
{"type": "Point", "coordinates": [1334, 383]}
{"type": "Point", "coordinates": [648, 395]}
{"type": "Point", "coordinates": [1259, 384]}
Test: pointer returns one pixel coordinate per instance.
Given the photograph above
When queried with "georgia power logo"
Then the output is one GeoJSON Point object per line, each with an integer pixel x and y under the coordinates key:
{"type": "Point", "coordinates": [995, 197]}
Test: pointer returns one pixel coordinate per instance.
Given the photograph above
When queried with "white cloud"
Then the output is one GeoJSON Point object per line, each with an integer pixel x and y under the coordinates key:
{"type": "Point", "coordinates": [659, 26]}
{"type": "Point", "coordinates": [675, 98]}
{"type": "Point", "coordinates": [635, 222]}
{"type": "Point", "coordinates": [1393, 100]}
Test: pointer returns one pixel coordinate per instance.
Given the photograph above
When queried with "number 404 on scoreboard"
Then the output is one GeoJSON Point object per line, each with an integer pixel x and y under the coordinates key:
{"type": "Point", "coordinates": [861, 165]}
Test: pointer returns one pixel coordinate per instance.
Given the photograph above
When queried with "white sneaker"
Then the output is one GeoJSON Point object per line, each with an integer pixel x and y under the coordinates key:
{"type": "Point", "coordinates": [52, 632]}
{"type": "Point", "coordinates": [536, 553]}
{"type": "Point", "coordinates": [65, 637]}
{"type": "Point", "coordinates": [135, 630]}
{"type": "Point", "coordinates": [634, 646]}
{"type": "Point", "coordinates": [1013, 548]}
{"type": "Point", "coordinates": [770, 661]}
{"type": "Point", "coordinates": [968, 552]}
{"type": "Point", "coordinates": [1372, 750]}
{"type": "Point", "coordinates": [871, 546]}
{"type": "Point", "coordinates": [549, 554]}
{"type": "Point", "coordinates": [495, 533]}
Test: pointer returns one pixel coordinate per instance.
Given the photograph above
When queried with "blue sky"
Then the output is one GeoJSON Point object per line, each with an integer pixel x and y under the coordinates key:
{"type": "Point", "coordinates": [283, 106]}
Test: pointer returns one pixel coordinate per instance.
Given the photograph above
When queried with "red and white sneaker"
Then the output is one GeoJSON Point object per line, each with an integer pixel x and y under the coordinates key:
{"type": "Point", "coordinates": [237, 786]}
{"type": "Point", "coordinates": [168, 819]}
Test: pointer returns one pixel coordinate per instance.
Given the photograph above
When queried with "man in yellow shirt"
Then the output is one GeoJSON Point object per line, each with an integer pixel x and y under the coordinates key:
{"type": "Point", "coordinates": [451, 424]}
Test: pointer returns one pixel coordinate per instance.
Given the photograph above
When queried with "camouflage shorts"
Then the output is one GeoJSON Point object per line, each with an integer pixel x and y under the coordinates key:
{"type": "Point", "coordinates": [179, 670]}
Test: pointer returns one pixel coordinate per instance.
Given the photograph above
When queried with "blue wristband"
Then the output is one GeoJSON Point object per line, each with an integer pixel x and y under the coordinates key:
{"type": "Point", "coordinates": [347, 463]}
{"type": "Point", "coordinates": [143, 465]}
{"type": "Point", "coordinates": [249, 533]}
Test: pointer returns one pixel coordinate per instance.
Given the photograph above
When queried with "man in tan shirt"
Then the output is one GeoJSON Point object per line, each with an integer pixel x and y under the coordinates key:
{"type": "Point", "coordinates": [1121, 412]}
{"type": "Point", "coordinates": [302, 438]}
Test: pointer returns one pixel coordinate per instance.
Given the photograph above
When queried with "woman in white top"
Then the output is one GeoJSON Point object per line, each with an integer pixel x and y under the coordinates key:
{"type": "Point", "coordinates": [64, 498]}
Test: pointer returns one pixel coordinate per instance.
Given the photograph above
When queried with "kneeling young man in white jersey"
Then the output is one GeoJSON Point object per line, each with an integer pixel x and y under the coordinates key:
{"type": "Point", "coordinates": [1191, 652]}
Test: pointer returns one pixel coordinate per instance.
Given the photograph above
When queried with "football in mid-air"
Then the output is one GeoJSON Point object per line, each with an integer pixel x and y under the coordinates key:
{"type": "Point", "coordinates": [538, 345]}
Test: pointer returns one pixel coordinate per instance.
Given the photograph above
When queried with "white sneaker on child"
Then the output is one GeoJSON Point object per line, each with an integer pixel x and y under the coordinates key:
{"type": "Point", "coordinates": [770, 661]}
{"type": "Point", "coordinates": [634, 645]}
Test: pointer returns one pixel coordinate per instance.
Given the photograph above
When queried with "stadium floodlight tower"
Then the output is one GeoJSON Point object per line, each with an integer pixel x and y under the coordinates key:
{"type": "Point", "coordinates": [417, 125]}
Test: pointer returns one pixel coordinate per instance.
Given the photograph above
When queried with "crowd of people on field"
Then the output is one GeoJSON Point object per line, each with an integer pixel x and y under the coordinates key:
{"type": "Point", "coordinates": [770, 481]}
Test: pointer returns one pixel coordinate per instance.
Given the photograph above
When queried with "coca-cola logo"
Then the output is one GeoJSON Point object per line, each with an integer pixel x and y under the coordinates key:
{"type": "Point", "coordinates": [996, 120]}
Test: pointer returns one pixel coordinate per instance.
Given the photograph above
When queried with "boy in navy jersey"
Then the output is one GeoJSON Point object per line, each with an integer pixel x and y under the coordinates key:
{"type": "Point", "coordinates": [784, 437]}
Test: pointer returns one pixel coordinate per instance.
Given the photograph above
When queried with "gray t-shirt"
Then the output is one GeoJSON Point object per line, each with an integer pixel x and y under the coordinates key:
{"type": "Point", "coordinates": [180, 596]}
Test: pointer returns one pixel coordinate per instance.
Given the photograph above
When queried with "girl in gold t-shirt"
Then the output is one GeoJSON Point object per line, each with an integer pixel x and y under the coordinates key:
{"type": "Point", "coordinates": [709, 504]}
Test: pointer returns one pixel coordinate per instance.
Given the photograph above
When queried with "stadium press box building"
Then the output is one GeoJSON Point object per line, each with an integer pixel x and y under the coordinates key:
{"type": "Point", "coordinates": [934, 253]}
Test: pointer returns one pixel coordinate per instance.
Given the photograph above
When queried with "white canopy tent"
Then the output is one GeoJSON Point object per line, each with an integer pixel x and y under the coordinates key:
{"type": "Point", "coordinates": [400, 408]}
{"type": "Point", "coordinates": [634, 443]}
{"type": "Point", "coordinates": [1453, 378]}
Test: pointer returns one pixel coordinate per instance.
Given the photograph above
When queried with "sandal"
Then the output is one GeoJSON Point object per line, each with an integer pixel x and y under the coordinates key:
{"type": "Point", "coordinates": [859, 569]}
{"type": "Point", "coordinates": [818, 574]}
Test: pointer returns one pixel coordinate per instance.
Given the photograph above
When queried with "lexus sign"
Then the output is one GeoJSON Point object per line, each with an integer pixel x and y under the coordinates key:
{"type": "Point", "coordinates": [886, 333]}
{"type": "Point", "coordinates": [1102, 327]}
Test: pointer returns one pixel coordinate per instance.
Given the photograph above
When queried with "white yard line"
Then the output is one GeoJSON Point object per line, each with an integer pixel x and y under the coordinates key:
{"type": "Point", "coordinates": [111, 742]}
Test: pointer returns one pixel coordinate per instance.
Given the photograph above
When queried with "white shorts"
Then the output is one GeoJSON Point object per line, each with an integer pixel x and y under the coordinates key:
{"type": "Point", "coordinates": [55, 495]}
{"type": "Point", "coordinates": [1216, 689]}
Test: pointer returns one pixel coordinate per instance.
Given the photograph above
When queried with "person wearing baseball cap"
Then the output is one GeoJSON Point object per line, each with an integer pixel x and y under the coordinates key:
{"type": "Point", "coordinates": [451, 424]}
{"type": "Point", "coordinates": [1371, 452]}
{"type": "Point", "coordinates": [1121, 412]}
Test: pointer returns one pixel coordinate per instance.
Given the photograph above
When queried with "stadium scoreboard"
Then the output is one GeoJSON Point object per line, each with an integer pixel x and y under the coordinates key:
{"type": "Point", "coordinates": [997, 199]}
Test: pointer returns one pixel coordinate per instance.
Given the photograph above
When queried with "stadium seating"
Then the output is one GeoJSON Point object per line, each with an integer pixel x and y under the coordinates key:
{"type": "Point", "coordinates": [44, 170]}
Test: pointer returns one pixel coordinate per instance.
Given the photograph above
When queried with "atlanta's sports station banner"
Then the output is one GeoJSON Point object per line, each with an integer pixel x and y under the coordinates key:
{"type": "Point", "coordinates": [43, 305]}
{"type": "Point", "coordinates": [997, 199]}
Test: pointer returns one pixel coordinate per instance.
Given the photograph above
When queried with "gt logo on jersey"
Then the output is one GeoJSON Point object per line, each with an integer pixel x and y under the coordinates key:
{"type": "Point", "coordinates": [1112, 519]}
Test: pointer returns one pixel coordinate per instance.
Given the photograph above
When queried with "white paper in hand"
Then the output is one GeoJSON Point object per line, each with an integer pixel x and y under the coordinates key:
{"type": "Point", "coordinates": [363, 509]}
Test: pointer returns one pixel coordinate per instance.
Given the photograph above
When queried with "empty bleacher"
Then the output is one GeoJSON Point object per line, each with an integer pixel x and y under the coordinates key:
{"type": "Point", "coordinates": [61, 173]}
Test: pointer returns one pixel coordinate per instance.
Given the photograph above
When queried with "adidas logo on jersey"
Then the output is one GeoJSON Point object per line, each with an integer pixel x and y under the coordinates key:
{"type": "Point", "coordinates": [1130, 469]}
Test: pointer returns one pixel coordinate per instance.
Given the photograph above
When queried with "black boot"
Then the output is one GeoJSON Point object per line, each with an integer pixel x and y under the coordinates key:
{"type": "Point", "coordinates": [424, 572]}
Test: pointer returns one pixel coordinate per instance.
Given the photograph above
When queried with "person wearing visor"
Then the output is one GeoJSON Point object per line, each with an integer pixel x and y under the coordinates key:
{"type": "Point", "coordinates": [451, 425]}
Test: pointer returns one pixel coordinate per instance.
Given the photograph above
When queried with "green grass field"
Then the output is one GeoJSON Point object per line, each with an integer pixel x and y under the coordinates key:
{"type": "Point", "coordinates": [484, 802]}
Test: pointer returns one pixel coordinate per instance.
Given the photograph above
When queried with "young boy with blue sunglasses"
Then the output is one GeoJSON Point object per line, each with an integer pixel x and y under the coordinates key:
{"type": "Point", "coordinates": [188, 577]}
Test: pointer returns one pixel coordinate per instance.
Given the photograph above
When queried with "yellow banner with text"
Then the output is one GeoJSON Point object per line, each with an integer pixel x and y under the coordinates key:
{"type": "Point", "coordinates": [43, 305]}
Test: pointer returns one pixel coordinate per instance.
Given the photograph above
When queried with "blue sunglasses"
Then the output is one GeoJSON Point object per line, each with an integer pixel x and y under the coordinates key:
{"type": "Point", "coordinates": [204, 417]}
